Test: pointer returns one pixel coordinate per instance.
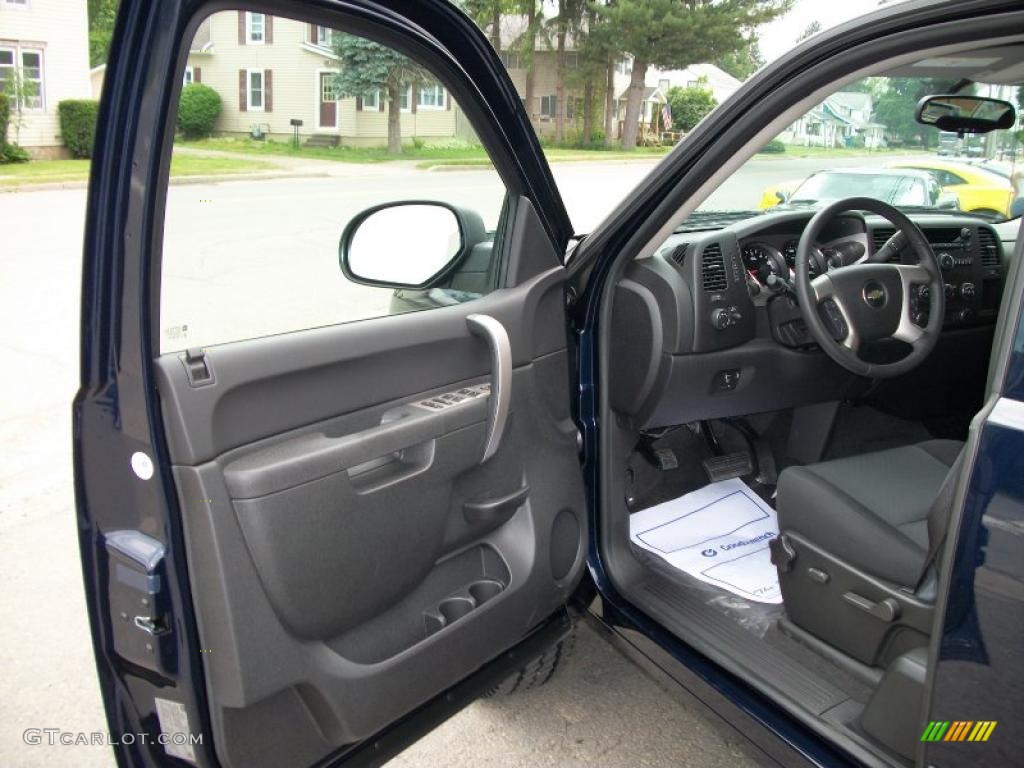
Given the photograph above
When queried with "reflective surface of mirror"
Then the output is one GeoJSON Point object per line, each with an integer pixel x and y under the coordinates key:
{"type": "Point", "coordinates": [405, 244]}
{"type": "Point", "coordinates": [966, 114]}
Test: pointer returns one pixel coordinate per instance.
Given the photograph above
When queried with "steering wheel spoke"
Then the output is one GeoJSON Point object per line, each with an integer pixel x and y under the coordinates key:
{"type": "Point", "coordinates": [834, 313]}
{"type": "Point", "coordinates": [911, 275]}
{"type": "Point", "coordinates": [874, 298]}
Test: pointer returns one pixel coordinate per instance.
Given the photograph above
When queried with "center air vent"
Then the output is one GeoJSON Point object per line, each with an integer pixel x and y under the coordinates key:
{"type": "Point", "coordinates": [989, 247]}
{"type": "Point", "coordinates": [712, 269]}
{"type": "Point", "coordinates": [880, 237]}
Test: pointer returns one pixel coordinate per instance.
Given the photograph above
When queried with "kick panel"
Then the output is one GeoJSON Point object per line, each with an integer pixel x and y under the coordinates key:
{"type": "Point", "coordinates": [350, 568]}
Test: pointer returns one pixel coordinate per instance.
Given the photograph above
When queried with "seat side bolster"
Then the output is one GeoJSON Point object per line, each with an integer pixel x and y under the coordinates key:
{"type": "Point", "coordinates": [827, 515]}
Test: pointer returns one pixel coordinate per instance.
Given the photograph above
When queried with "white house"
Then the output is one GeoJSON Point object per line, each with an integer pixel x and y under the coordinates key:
{"type": "Point", "coordinates": [843, 119]}
{"type": "Point", "coordinates": [271, 70]}
{"type": "Point", "coordinates": [44, 44]}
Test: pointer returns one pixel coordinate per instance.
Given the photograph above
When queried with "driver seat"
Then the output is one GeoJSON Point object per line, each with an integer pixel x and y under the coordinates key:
{"type": "Point", "coordinates": [857, 539]}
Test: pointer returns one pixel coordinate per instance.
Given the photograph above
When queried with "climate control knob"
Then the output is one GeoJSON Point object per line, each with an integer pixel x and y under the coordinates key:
{"type": "Point", "coordinates": [950, 291]}
{"type": "Point", "coordinates": [946, 261]}
{"type": "Point", "coordinates": [967, 290]}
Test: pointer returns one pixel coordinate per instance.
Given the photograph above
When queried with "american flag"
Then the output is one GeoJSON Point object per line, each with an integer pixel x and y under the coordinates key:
{"type": "Point", "coordinates": [666, 116]}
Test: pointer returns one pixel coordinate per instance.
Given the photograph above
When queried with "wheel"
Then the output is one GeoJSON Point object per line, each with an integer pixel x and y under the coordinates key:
{"type": "Point", "coordinates": [537, 672]}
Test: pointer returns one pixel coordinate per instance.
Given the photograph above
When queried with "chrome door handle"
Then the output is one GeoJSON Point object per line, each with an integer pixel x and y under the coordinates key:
{"type": "Point", "coordinates": [494, 333]}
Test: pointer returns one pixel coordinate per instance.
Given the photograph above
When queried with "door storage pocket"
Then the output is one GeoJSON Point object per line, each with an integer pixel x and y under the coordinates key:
{"type": "Point", "coordinates": [451, 593]}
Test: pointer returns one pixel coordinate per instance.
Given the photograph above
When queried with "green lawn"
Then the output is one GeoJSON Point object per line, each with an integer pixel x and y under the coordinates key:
{"type": "Point", "coordinates": [427, 156]}
{"type": "Point", "coordinates": [42, 171]}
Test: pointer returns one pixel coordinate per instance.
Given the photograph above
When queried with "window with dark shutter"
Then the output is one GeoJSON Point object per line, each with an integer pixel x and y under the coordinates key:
{"type": "Point", "coordinates": [197, 74]}
{"type": "Point", "coordinates": [268, 29]}
{"type": "Point", "coordinates": [268, 90]}
{"type": "Point", "coordinates": [241, 28]}
{"type": "Point", "coordinates": [243, 96]}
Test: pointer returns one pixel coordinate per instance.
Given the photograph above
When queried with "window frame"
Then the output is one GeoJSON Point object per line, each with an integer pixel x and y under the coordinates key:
{"type": "Point", "coordinates": [439, 91]}
{"type": "Point", "coordinates": [365, 102]}
{"type": "Point", "coordinates": [552, 101]}
{"type": "Point", "coordinates": [17, 67]}
{"type": "Point", "coordinates": [250, 107]}
{"type": "Point", "coordinates": [250, 16]}
{"type": "Point", "coordinates": [188, 77]}
{"type": "Point", "coordinates": [323, 40]}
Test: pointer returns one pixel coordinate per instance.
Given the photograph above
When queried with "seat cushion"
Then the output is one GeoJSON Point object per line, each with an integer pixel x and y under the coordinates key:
{"type": "Point", "coordinates": [870, 510]}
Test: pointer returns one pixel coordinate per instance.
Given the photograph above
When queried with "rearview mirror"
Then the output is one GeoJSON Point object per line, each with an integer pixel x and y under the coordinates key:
{"type": "Point", "coordinates": [965, 114]}
{"type": "Point", "coordinates": [409, 244]}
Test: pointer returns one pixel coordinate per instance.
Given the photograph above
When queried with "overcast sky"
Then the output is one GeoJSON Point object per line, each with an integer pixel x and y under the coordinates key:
{"type": "Point", "coordinates": [780, 36]}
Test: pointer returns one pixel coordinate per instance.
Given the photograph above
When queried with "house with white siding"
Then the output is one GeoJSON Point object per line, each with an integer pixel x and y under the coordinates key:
{"type": "Point", "coordinates": [44, 44]}
{"type": "Point", "coordinates": [271, 70]}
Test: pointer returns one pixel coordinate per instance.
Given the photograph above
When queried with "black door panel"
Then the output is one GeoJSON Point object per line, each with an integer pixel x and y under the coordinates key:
{"type": "Point", "coordinates": [350, 555]}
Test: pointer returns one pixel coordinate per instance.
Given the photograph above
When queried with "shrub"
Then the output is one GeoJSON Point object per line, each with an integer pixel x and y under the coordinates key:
{"type": "Point", "coordinates": [5, 118]}
{"type": "Point", "coordinates": [773, 147]}
{"type": "Point", "coordinates": [12, 153]}
{"type": "Point", "coordinates": [78, 125]}
{"type": "Point", "coordinates": [198, 110]}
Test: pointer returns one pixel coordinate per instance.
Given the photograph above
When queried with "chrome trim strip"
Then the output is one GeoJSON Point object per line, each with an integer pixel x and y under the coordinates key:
{"type": "Point", "coordinates": [486, 327]}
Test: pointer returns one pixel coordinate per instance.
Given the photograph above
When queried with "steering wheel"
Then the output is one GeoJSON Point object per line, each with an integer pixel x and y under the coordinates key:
{"type": "Point", "coordinates": [847, 307]}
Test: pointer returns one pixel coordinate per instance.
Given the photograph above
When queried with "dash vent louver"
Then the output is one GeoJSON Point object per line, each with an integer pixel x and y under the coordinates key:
{"type": "Point", "coordinates": [880, 237]}
{"type": "Point", "coordinates": [712, 269]}
{"type": "Point", "coordinates": [989, 247]}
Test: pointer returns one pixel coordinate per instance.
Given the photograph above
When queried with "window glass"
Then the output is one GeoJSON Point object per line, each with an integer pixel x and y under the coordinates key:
{"type": "Point", "coordinates": [256, 25]}
{"type": "Point", "coordinates": [260, 255]}
{"type": "Point", "coordinates": [32, 77]}
{"type": "Point", "coordinates": [255, 89]}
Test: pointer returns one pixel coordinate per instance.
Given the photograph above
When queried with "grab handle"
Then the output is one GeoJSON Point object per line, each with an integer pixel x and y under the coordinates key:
{"type": "Point", "coordinates": [494, 333]}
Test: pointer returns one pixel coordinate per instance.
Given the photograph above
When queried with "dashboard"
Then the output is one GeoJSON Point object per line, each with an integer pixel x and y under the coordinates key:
{"type": "Point", "coordinates": [708, 326]}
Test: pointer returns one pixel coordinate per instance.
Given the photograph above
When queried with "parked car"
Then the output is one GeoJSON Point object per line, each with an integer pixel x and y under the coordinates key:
{"type": "Point", "coordinates": [898, 187]}
{"type": "Point", "coordinates": [977, 189]}
{"type": "Point", "coordinates": [309, 537]}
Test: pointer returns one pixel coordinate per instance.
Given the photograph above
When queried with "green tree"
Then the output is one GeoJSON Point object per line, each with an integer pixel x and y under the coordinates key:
{"type": "Point", "coordinates": [673, 34]}
{"type": "Point", "coordinates": [487, 15]}
{"type": "Point", "coordinates": [102, 14]}
{"type": "Point", "coordinates": [896, 100]}
{"type": "Point", "coordinates": [689, 105]}
{"type": "Point", "coordinates": [743, 62]}
{"type": "Point", "coordinates": [812, 29]}
{"type": "Point", "coordinates": [366, 67]}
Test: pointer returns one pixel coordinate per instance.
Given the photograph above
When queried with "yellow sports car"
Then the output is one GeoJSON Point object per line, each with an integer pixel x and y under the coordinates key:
{"type": "Point", "coordinates": [978, 190]}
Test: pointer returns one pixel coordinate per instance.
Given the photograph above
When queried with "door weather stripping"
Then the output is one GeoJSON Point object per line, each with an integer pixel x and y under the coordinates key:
{"type": "Point", "coordinates": [496, 336]}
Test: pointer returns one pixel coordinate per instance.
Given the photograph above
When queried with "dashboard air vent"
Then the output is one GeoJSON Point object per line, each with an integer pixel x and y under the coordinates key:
{"type": "Point", "coordinates": [678, 254]}
{"type": "Point", "coordinates": [989, 247]}
{"type": "Point", "coordinates": [879, 237]}
{"type": "Point", "coordinates": [712, 268]}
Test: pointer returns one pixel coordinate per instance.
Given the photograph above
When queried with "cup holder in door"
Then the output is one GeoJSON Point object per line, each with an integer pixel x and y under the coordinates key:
{"type": "Point", "coordinates": [454, 608]}
{"type": "Point", "coordinates": [484, 590]}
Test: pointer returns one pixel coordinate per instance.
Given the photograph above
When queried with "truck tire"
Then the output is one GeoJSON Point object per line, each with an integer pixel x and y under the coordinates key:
{"type": "Point", "coordinates": [537, 672]}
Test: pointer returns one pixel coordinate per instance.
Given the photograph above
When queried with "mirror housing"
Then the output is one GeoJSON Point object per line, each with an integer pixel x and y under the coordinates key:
{"type": "Point", "coordinates": [948, 201]}
{"type": "Point", "coordinates": [407, 243]}
{"type": "Point", "coordinates": [965, 114]}
{"type": "Point", "coordinates": [782, 195]}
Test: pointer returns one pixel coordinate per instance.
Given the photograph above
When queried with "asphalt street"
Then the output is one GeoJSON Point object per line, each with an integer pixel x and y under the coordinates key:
{"type": "Point", "coordinates": [250, 235]}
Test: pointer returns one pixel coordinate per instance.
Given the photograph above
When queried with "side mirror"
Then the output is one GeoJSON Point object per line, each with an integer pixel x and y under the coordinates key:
{"type": "Point", "coordinates": [782, 195]}
{"type": "Point", "coordinates": [965, 114]}
{"type": "Point", "coordinates": [948, 201]}
{"type": "Point", "coordinates": [407, 244]}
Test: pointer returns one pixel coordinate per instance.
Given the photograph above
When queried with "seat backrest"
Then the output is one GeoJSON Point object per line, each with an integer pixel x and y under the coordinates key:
{"type": "Point", "coordinates": [938, 517]}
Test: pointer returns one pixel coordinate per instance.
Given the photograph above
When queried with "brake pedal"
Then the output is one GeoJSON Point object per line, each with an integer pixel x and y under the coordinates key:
{"type": "Point", "coordinates": [663, 459]}
{"type": "Point", "coordinates": [728, 466]}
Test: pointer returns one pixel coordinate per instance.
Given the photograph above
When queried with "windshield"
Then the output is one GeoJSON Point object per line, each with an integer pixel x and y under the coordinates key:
{"type": "Point", "coordinates": [863, 141]}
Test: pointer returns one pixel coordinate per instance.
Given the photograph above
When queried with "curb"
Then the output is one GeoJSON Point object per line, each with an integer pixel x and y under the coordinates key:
{"type": "Point", "coordinates": [174, 181]}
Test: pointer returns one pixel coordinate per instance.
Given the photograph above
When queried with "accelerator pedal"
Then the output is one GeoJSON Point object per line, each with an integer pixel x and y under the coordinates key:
{"type": "Point", "coordinates": [728, 466]}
